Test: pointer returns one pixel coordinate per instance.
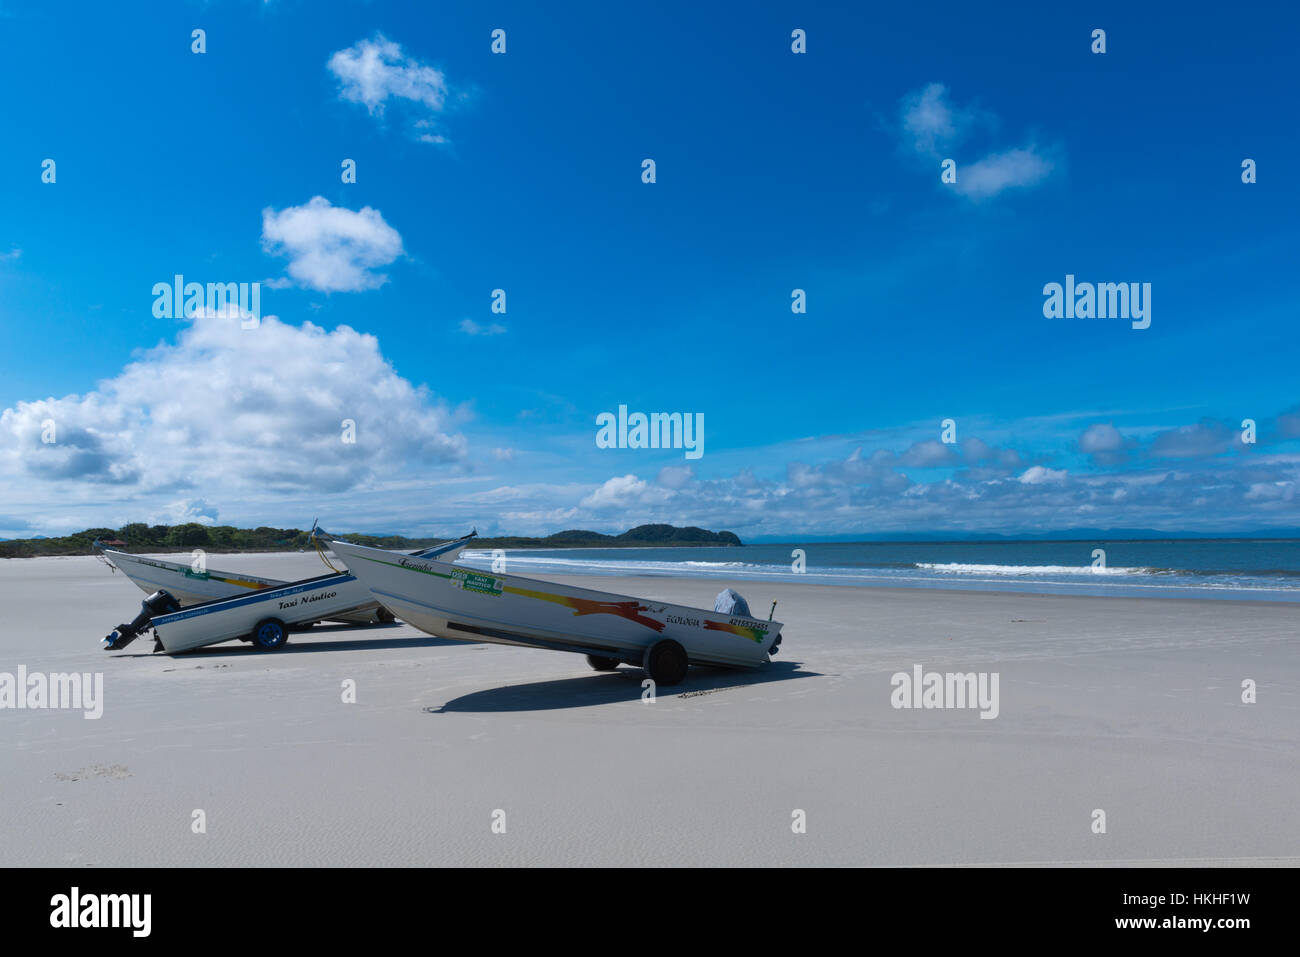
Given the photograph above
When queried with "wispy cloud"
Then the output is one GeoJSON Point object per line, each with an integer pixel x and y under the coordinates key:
{"type": "Point", "coordinates": [989, 176]}
{"type": "Point", "coordinates": [931, 123]}
{"type": "Point", "coordinates": [377, 72]}
{"type": "Point", "coordinates": [930, 453]}
{"type": "Point", "coordinates": [1206, 438]}
{"type": "Point", "coordinates": [1288, 424]}
{"type": "Point", "coordinates": [932, 126]}
{"type": "Point", "coordinates": [472, 328]}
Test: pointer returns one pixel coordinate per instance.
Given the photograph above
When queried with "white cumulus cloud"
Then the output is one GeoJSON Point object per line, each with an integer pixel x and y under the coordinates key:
{"type": "Point", "coordinates": [1039, 474]}
{"type": "Point", "coordinates": [1105, 444]}
{"type": "Point", "coordinates": [623, 491]}
{"type": "Point", "coordinates": [232, 414]}
{"type": "Point", "coordinates": [331, 248]}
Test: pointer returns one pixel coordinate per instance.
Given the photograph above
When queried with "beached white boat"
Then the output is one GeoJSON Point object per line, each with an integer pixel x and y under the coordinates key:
{"type": "Point", "coordinates": [453, 602]}
{"type": "Point", "coordinates": [190, 586]}
{"type": "Point", "coordinates": [183, 581]}
{"type": "Point", "coordinates": [263, 616]}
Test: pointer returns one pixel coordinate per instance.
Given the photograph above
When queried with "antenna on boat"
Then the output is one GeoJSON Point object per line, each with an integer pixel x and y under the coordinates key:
{"type": "Point", "coordinates": [315, 540]}
{"type": "Point", "coordinates": [772, 612]}
{"type": "Point", "coordinates": [99, 554]}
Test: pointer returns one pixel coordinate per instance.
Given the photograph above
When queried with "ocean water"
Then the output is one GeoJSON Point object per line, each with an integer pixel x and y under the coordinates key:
{"type": "Point", "coordinates": [1258, 569]}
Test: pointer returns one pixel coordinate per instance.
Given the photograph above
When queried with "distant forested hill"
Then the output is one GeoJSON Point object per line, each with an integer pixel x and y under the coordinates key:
{"type": "Point", "coordinates": [138, 537]}
{"type": "Point", "coordinates": [643, 536]}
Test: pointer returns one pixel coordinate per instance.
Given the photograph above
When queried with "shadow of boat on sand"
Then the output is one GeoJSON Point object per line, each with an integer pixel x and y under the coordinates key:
{"type": "Point", "coordinates": [319, 639]}
{"type": "Point", "coordinates": [611, 688]}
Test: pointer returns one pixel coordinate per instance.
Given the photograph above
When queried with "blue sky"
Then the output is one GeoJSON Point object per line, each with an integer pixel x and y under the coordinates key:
{"type": "Point", "coordinates": [774, 171]}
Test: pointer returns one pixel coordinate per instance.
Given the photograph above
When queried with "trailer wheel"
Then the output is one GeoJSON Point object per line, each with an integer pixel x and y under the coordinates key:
{"type": "Point", "coordinates": [385, 616]}
{"type": "Point", "coordinates": [601, 663]}
{"type": "Point", "coordinates": [269, 634]}
{"type": "Point", "coordinates": [665, 661]}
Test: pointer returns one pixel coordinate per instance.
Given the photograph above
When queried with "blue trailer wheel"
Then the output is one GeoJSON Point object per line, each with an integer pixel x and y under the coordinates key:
{"type": "Point", "coordinates": [269, 634]}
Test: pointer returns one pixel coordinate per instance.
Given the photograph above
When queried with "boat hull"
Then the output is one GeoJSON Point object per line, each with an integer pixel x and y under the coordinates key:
{"type": "Point", "coordinates": [187, 585]}
{"type": "Point", "coordinates": [449, 601]}
{"type": "Point", "coordinates": [190, 587]}
{"type": "Point", "coordinates": [210, 623]}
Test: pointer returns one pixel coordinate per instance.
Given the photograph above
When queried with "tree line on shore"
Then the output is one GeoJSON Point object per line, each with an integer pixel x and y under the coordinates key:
{"type": "Point", "coordinates": [140, 537]}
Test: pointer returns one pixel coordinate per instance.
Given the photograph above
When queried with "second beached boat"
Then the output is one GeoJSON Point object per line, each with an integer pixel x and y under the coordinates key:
{"type": "Point", "coordinates": [449, 601]}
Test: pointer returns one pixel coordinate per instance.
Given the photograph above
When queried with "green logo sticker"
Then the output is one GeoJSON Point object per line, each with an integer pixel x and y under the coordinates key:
{"type": "Point", "coordinates": [473, 581]}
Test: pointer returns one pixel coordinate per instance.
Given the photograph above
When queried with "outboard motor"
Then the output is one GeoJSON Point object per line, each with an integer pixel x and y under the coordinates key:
{"type": "Point", "coordinates": [729, 602]}
{"type": "Point", "coordinates": [161, 602]}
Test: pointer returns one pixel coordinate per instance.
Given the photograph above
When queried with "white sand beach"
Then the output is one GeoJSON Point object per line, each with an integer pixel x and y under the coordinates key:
{"type": "Point", "coordinates": [1131, 706]}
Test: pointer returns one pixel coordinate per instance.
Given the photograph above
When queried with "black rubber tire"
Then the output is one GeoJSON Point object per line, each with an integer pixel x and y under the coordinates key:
{"type": "Point", "coordinates": [666, 662]}
{"type": "Point", "coordinates": [269, 634]}
{"type": "Point", "coordinates": [601, 663]}
{"type": "Point", "coordinates": [385, 616]}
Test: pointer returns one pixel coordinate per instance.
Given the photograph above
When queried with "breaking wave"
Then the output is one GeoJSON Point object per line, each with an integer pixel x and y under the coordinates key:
{"type": "Point", "coordinates": [959, 568]}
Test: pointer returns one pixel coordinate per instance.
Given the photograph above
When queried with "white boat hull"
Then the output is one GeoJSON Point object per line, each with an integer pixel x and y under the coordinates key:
{"type": "Point", "coordinates": [448, 601]}
{"type": "Point", "coordinates": [185, 584]}
{"type": "Point", "coordinates": [210, 623]}
{"type": "Point", "coordinates": [190, 587]}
